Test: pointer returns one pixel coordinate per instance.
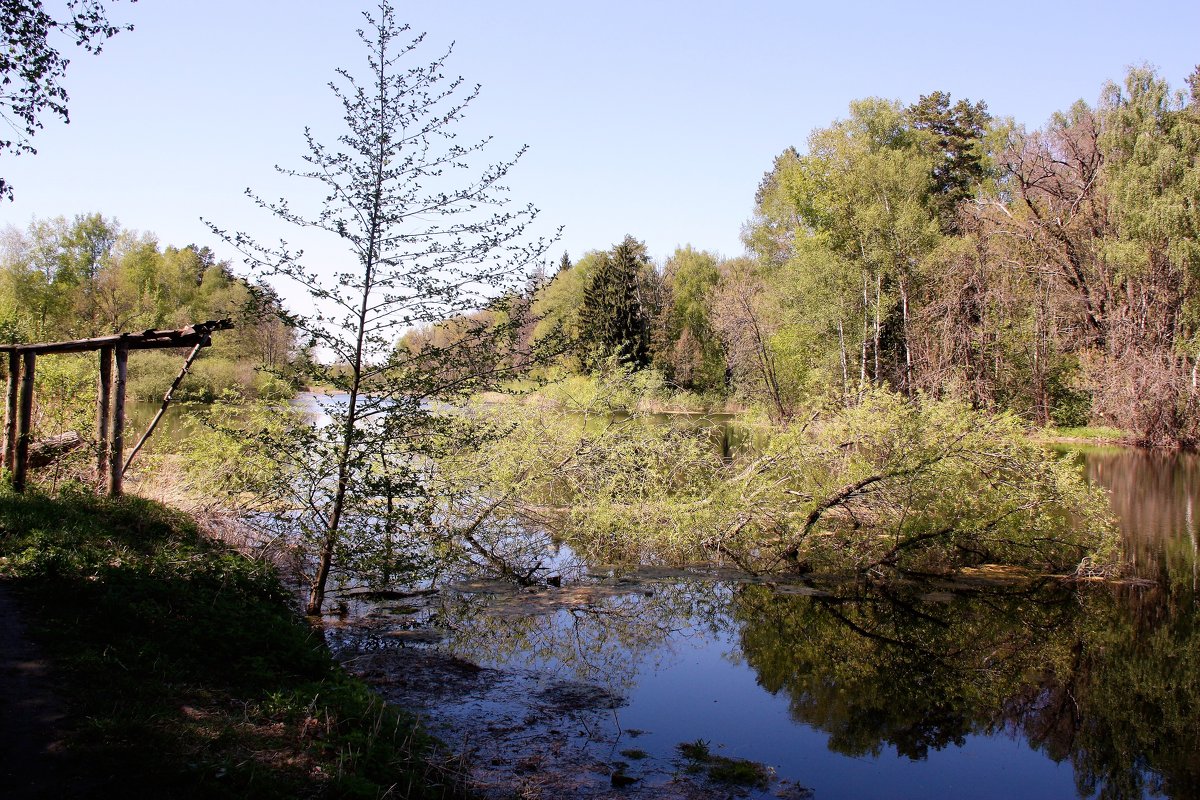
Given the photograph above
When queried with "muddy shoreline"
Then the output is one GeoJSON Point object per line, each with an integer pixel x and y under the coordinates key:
{"type": "Point", "coordinates": [521, 732]}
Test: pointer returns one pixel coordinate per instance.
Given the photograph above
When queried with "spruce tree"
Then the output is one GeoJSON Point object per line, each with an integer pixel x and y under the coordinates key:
{"type": "Point", "coordinates": [613, 318]}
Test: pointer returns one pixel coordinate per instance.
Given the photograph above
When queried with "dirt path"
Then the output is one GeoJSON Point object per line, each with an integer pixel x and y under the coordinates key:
{"type": "Point", "coordinates": [31, 753]}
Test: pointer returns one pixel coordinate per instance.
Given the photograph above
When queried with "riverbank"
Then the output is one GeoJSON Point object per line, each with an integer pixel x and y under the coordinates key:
{"type": "Point", "coordinates": [182, 669]}
{"type": "Point", "coordinates": [1089, 435]}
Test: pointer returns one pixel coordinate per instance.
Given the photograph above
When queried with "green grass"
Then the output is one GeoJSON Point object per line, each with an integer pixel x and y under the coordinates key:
{"type": "Point", "coordinates": [722, 769]}
{"type": "Point", "coordinates": [1094, 432]}
{"type": "Point", "coordinates": [185, 670]}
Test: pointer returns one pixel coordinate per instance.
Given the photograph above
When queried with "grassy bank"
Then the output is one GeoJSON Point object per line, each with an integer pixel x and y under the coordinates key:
{"type": "Point", "coordinates": [1092, 434]}
{"type": "Point", "coordinates": [185, 671]}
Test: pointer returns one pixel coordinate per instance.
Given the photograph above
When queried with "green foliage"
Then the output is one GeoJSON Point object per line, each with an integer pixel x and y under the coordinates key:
{"type": "Point", "coordinates": [956, 137]}
{"type": "Point", "coordinates": [1051, 273]}
{"type": "Point", "coordinates": [613, 318]}
{"type": "Point", "coordinates": [86, 277]}
{"type": "Point", "coordinates": [1151, 144]}
{"type": "Point", "coordinates": [556, 308]}
{"type": "Point", "coordinates": [151, 374]}
{"type": "Point", "coordinates": [926, 485]}
{"type": "Point", "coordinates": [890, 484]}
{"type": "Point", "coordinates": [849, 224]}
{"type": "Point", "coordinates": [695, 358]}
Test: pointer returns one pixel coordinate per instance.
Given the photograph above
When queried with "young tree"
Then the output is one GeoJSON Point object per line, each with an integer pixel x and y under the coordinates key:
{"type": "Point", "coordinates": [429, 238]}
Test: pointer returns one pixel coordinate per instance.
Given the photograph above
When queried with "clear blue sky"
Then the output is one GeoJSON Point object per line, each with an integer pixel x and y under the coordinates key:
{"type": "Point", "coordinates": [651, 118]}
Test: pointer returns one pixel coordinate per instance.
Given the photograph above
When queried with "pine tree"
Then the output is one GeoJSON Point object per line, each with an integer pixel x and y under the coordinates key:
{"type": "Point", "coordinates": [613, 317]}
{"type": "Point", "coordinates": [956, 135]}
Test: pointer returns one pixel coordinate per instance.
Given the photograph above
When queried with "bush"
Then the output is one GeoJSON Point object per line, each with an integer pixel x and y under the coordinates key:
{"type": "Point", "coordinates": [152, 372]}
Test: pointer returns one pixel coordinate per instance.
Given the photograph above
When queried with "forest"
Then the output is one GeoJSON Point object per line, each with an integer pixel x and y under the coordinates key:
{"type": "Point", "coordinates": [937, 250]}
{"type": "Point", "coordinates": [930, 248]}
{"type": "Point", "coordinates": [88, 276]}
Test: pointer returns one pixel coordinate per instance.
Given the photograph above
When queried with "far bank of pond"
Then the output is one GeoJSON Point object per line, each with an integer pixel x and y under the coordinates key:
{"type": "Point", "coordinates": [972, 689]}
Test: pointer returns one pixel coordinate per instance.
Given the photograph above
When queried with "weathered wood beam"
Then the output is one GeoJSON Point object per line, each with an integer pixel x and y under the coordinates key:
{"type": "Point", "coordinates": [10, 411]}
{"type": "Point", "coordinates": [103, 421]}
{"type": "Point", "coordinates": [45, 452]}
{"type": "Point", "coordinates": [24, 421]}
{"type": "Point", "coordinates": [147, 340]}
{"type": "Point", "coordinates": [118, 422]}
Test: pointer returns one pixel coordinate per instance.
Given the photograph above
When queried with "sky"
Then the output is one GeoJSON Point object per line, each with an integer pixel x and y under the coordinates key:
{"type": "Point", "coordinates": [654, 118]}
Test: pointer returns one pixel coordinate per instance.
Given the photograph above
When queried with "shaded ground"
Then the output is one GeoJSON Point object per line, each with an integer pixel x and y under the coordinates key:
{"type": "Point", "coordinates": [182, 670]}
{"type": "Point", "coordinates": [31, 753]}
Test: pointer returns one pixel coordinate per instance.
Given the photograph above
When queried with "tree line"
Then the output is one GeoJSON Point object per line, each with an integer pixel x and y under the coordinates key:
{"type": "Point", "coordinates": [88, 276]}
{"type": "Point", "coordinates": [934, 248]}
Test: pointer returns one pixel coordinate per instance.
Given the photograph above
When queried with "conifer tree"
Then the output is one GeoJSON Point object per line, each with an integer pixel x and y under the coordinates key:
{"type": "Point", "coordinates": [956, 136]}
{"type": "Point", "coordinates": [613, 317]}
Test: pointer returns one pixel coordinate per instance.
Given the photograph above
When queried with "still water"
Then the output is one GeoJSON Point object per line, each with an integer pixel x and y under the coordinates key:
{"type": "Point", "coordinates": [839, 690]}
{"type": "Point", "coordinates": [970, 690]}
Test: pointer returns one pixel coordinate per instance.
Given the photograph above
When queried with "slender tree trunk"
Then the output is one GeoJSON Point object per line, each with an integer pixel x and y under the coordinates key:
{"type": "Point", "coordinates": [103, 415]}
{"type": "Point", "coordinates": [117, 442]}
{"type": "Point", "coordinates": [10, 409]}
{"type": "Point", "coordinates": [908, 387]}
{"type": "Point", "coordinates": [316, 594]}
{"type": "Point", "coordinates": [24, 421]}
{"type": "Point", "coordinates": [862, 371]}
{"type": "Point", "coordinates": [878, 321]}
{"type": "Point", "coordinates": [845, 371]}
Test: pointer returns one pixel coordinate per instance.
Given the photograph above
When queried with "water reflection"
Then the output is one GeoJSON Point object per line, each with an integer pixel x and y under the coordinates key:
{"type": "Point", "coordinates": [976, 689]}
{"type": "Point", "coordinates": [1104, 681]}
{"type": "Point", "coordinates": [1085, 677]}
{"type": "Point", "coordinates": [1156, 496]}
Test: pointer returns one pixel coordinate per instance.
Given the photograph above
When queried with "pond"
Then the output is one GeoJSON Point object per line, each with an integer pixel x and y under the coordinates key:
{"type": "Point", "coordinates": [711, 684]}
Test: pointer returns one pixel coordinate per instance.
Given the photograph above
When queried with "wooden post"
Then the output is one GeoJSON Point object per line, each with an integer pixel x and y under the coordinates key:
{"type": "Point", "coordinates": [118, 423]}
{"type": "Point", "coordinates": [24, 421]}
{"type": "Point", "coordinates": [103, 396]}
{"type": "Point", "coordinates": [10, 410]}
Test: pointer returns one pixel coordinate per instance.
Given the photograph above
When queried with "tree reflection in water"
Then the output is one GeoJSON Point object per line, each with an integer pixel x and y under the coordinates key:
{"type": "Point", "coordinates": [1106, 678]}
{"type": "Point", "coordinates": [600, 634]}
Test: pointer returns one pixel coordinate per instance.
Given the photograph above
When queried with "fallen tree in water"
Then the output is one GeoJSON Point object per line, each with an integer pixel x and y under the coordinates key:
{"type": "Point", "coordinates": [891, 484]}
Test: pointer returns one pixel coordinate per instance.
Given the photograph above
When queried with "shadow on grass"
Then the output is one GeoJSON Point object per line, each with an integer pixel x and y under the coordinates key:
{"type": "Point", "coordinates": [185, 670]}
